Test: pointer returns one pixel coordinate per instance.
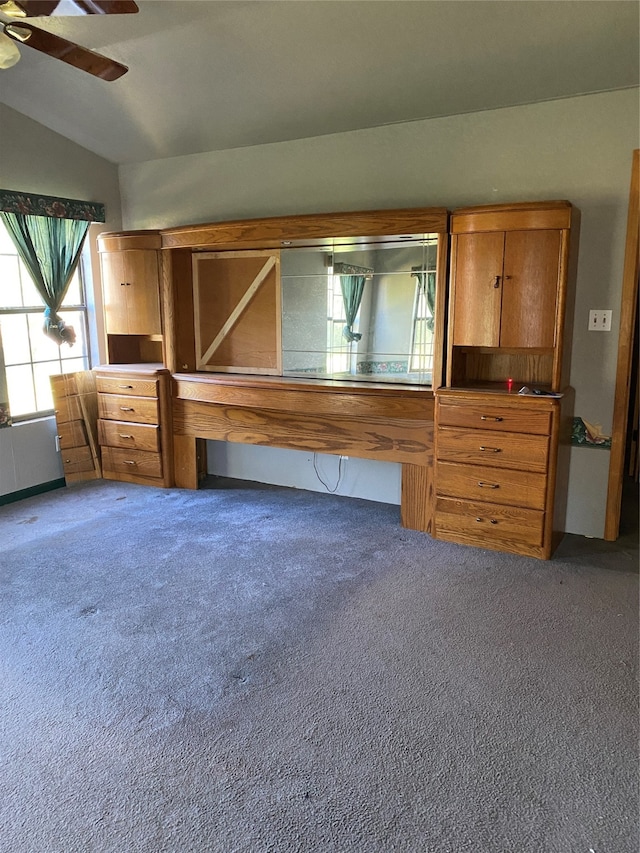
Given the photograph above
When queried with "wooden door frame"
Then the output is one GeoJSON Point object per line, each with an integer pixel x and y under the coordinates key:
{"type": "Point", "coordinates": [626, 345]}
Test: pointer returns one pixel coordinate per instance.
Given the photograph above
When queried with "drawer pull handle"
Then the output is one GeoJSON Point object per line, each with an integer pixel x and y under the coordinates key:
{"type": "Point", "coordinates": [129, 462]}
{"type": "Point", "coordinates": [125, 386]}
{"type": "Point", "coordinates": [494, 449]}
{"type": "Point", "coordinates": [124, 435]}
{"type": "Point", "coordinates": [488, 485]}
{"type": "Point", "coordinates": [127, 409]}
{"type": "Point", "coordinates": [487, 418]}
{"type": "Point", "coordinates": [493, 520]}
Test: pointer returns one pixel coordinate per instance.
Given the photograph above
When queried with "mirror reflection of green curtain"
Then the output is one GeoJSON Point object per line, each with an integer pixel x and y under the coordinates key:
{"type": "Point", "coordinates": [352, 281]}
{"type": "Point", "coordinates": [427, 285]}
{"type": "Point", "coordinates": [50, 249]}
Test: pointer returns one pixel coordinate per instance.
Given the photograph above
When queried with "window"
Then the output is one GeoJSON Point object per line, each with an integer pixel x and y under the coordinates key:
{"type": "Point", "coordinates": [338, 350]}
{"type": "Point", "coordinates": [30, 357]}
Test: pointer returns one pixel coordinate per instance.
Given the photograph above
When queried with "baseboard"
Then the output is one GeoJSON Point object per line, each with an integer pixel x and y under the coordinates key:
{"type": "Point", "coordinates": [33, 490]}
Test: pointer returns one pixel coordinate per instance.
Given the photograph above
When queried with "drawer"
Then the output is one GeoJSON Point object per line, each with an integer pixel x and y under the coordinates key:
{"type": "Point", "coordinates": [139, 463]}
{"type": "Point", "coordinates": [123, 434]}
{"type": "Point", "coordinates": [77, 459]}
{"type": "Point", "coordinates": [127, 386]}
{"type": "Point", "coordinates": [63, 385]}
{"type": "Point", "coordinates": [499, 485]}
{"type": "Point", "coordinates": [495, 449]}
{"type": "Point", "coordinates": [488, 524]}
{"type": "Point", "coordinates": [72, 434]}
{"type": "Point", "coordinates": [477, 416]}
{"type": "Point", "coordinates": [114, 407]}
{"type": "Point", "coordinates": [67, 409]}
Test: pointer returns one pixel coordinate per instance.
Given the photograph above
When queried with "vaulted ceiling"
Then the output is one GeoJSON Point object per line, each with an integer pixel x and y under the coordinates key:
{"type": "Point", "coordinates": [213, 74]}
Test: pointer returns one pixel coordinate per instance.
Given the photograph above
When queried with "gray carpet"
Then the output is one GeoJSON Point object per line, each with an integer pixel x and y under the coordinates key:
{"type": "Point", "coordinates": [253, 669]}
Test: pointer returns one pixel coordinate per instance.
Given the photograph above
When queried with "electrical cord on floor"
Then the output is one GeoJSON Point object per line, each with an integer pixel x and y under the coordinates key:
{"type": "Point", "coordinates": [326, 485]}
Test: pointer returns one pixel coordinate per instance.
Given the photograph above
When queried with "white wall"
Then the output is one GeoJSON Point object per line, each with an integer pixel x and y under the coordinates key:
{"type": "Point", "coordinates": [577, 149]}
{"type": "Point", "coordinates": [37, 160]}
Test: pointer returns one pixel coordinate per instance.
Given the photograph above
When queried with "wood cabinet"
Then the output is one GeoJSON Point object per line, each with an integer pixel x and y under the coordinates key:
{"type": "Point", "coordinates": [75, 405]}
{"type": "Point", "coordinates": [506, 289]}
{"type": "Point", "coordinates": [130, 265]}
{"type": "Point", "coordinates": [508, 294]}
{"type": "Point", "coordinates": [497, 451]}
{"type": "Point", "coordinates": [496, 470]}
{"type": "Point", "coordinates": [134, 423]}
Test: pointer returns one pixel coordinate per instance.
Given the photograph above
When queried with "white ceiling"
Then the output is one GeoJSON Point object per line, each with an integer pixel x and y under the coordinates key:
{"type": "Point", "coordinates": [214, 74]}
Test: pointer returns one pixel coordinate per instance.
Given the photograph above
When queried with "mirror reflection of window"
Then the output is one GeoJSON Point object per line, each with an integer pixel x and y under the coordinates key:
{"type": "Point", "coordinates": [361, 312]}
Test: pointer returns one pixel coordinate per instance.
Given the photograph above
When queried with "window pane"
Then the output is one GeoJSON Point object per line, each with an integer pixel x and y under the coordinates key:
{"type": "Point", "coordinates": [74, 294]}
{"type": "Point", "coordinates": [30, 296]}
{"type": "Point", "coordinates": [22, 400]}
{"type": "Point", "coordinates": [75, 319]}
{"type": "Point", "coordinates": [15, 338]}
{"type": "Point", "coordinates": [10, 295]}
{"type": "Point", "coordinates": [71, 365]}
{"type": "Point", "coordinates": [7, 246]}
{"type": "Point", "coordinates": [41, 373]}
{"type": "Point", "coordinates": [42, 347]}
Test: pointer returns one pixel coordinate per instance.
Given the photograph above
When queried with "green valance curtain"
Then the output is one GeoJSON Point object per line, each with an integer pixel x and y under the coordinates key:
{"type": "Point", "coordinates": [427, 285]}
{"type": "Point", "coordinates": [352, 281]}
{"type": "Point", "coordinates": [48, 234]}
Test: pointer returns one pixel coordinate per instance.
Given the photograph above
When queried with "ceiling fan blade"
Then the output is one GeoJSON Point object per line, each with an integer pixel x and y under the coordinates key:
{"type": "Point", "coordinates": [68, 51]}
{"type": "Point", "coordinates": [38, 8]}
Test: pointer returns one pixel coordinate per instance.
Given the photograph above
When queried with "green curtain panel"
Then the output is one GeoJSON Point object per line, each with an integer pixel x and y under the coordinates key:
{"type": "Point", "coordinates": [352, 281]}
{"type": "Point", "coordinates": [427, 284]}
{"type": "Point", "coordinates": [50, 249]}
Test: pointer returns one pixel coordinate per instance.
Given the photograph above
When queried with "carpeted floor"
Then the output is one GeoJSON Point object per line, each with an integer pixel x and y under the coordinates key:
{"type": "Point", "coordinates": [251, 669]}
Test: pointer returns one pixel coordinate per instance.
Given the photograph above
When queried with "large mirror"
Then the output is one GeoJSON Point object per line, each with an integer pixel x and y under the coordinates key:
{"type": "Point", "coordinates": [362, 312]}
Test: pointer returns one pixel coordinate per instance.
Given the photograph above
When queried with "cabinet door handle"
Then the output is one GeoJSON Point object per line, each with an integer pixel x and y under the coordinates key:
{"type": "Point", "coordinates": [482, 417]}
{"type": "Point", "coordinates": [125, 386]}
{"type": "Point", "coordinates": [488, 485]}
{"type": "Point", "coordinates": [127, 409]}
{"type": "Point", "coordinates": [494, 449]}
{"type": "Point", "coordinates": [496, 282]}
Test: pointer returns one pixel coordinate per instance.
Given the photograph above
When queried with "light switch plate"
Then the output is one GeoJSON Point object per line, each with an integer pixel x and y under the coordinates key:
{"type": "Point", "coordinates": [599, 321]}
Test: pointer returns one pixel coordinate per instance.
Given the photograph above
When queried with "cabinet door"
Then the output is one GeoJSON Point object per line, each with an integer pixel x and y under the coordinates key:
{"type": "Point", "coordinates": [237, 312]}
{"type": "Point", "coordinates": [478, 291]}
{"type": "Point", "coordinates": [531, 266]}
{"type": "Point", "coordinates": [131, 292]}
{"type": "Point", "coordinates": [114, 293]}
{"type": "Point", "coordinates": [143, 292]}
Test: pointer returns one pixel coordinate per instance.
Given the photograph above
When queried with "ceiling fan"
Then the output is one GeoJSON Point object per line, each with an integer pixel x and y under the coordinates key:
{"type": "Point", "coordinates": [16, 30]}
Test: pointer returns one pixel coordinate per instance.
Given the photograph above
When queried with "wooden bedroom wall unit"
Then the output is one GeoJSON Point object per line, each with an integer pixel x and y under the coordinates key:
{"type": "Point", "coordinates": [237, 316]}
